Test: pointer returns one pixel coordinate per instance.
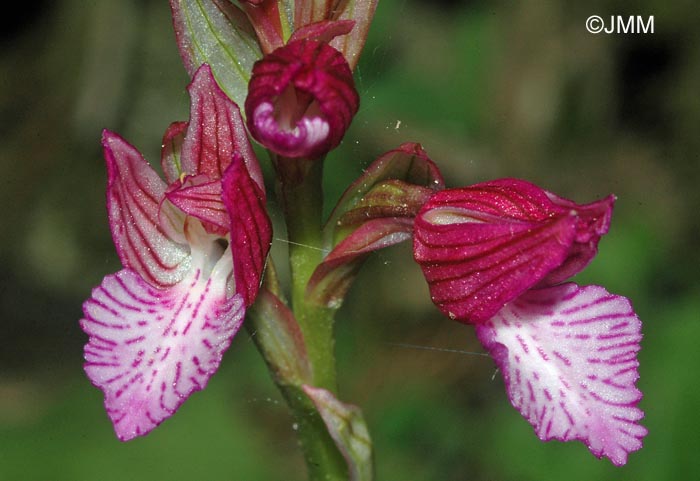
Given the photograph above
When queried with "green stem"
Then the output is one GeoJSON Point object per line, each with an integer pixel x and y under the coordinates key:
{"type": "Point", "coordinates": [302, 200]}
{"type": "Point", "coordinates": [323, 460]}
{"type": "Point", "coordinates": [301, 196]}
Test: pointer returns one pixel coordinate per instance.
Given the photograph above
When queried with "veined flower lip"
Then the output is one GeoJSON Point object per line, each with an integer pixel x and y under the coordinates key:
{"type": "Point", "coordinates": [568, 356]}
{"type": "Point", "coordinates": [150, 348]}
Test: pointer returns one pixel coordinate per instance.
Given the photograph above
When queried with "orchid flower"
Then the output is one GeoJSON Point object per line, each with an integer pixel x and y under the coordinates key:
{"type": "Point", "coordinates": [193, 253]}
{"type": "Point", "coordinates": [494, 255]}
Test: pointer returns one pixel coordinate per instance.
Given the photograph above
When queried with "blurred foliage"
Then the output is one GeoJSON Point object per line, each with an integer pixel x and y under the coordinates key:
{"type": "Point", "coordinates": [491, 90]}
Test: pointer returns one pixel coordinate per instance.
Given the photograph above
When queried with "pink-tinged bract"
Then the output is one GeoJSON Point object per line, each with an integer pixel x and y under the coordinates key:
{"type": "Point", "coordinates": [568, 356]}
{"type": "Point", "coordinates": [484, 245]}
{"type": "Point", "coordinates": [348, 429]}
{"type": "Point", "coordinates": [150, 348]}
{"type": "Point", "coordinates": [170, 160]}
{"type": "Point", "coordinates": [301, 99]}
{"type": "Point", "coordinates": [264, 16]}
{"type": "Point", "coordinates": [332, 278]}
{"type": "Point", "coordinates": [311, 11]}
{"type": "Point", "coordinates": [374, 212]}
{"type": "Point", "coordinates": [324, 31]}
{"type": "Point", "coordinates": [361, 12]}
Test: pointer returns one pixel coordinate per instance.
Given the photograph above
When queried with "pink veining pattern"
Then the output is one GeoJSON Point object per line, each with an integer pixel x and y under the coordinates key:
{"type": "Point", "coordinates": [216, 131]}
{"type": "Point", "coordinates": [251, 229]}
{"type": "Point", "coordinates": [158, 328]}
{"type": "Point", "coordinates": [134, 195]}
{"type": "Point", "coordinates": [197, 196]}
{"type": "Point", "coordinates": [149, 349]}
{"type": "Point", "coordinates": [568, 356]}
{"type": "Point", "coordinates": [484, 245]}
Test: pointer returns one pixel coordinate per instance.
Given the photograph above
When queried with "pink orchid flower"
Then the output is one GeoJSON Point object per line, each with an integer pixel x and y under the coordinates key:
{"type": "Point", "coordinates": [193, 253]}
{"type": "Point", "coordinates": [494, 255]}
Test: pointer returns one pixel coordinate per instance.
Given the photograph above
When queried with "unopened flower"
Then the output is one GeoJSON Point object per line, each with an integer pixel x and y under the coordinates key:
{"type": "Point", "coordinates": [193, 254]}
{"type": "Point", "coordinates": [492, 254]}
{"type": "Point", "coordinates": [301, 99]}
{"type": "Point", "coordinates": [375, 211]}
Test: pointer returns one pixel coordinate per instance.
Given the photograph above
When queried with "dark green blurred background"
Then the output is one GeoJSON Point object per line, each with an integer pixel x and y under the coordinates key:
{"type": "Point", "coordinates": [491, 90]}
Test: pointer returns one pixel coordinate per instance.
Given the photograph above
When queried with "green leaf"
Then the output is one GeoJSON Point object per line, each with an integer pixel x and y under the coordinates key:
{"type": "Point", "coordinates": [218, 33]}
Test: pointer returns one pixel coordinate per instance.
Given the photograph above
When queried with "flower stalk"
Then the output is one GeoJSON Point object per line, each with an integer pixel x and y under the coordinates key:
{"type": "Point", "coordinates": [298, 343]}
{"type": "Point", "coordinates": [277, 336]}
{"type": "Point", "coordinates": [302, 205]}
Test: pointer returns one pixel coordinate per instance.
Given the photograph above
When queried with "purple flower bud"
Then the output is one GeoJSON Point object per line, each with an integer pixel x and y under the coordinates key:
{"type": "Point", "coordinates": [301, 99]}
